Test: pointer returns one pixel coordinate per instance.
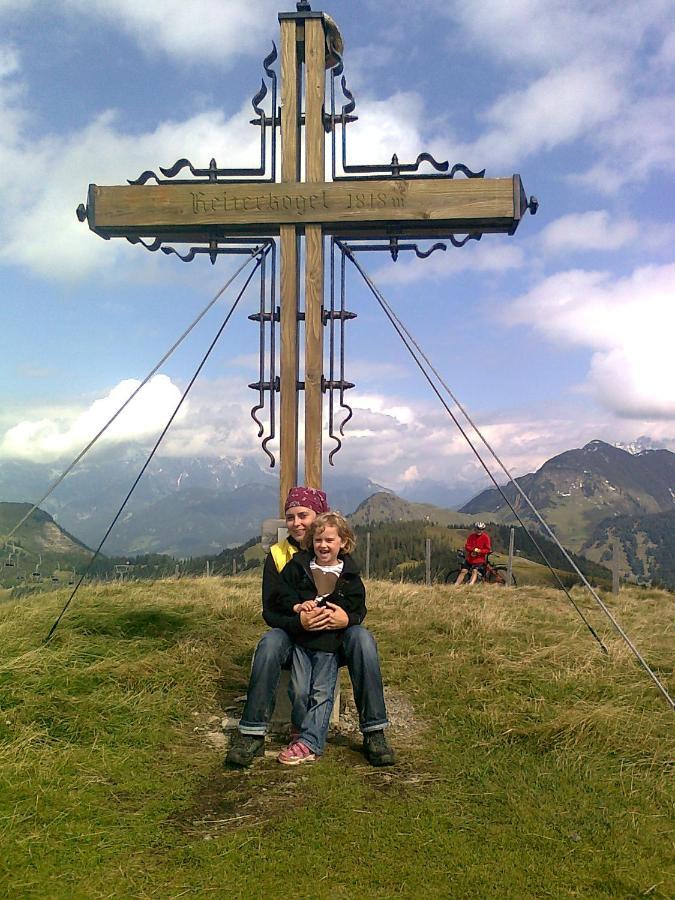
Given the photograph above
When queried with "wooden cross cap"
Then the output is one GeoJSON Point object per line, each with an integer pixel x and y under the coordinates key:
{"type": "Point", "coordinates": [334, 42]}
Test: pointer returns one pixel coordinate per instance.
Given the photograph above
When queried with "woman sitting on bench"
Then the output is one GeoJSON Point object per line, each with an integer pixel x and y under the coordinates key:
{"type": "Point", "coordinates": [275, 648]}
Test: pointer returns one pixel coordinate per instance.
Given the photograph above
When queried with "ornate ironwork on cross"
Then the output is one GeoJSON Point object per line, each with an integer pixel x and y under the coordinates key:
{"type": "Point", "coordinates": [370, 207]}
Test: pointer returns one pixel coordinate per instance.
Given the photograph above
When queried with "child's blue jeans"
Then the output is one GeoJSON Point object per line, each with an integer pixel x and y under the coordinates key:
{"type": "Point", "coordinates": [311, 690]}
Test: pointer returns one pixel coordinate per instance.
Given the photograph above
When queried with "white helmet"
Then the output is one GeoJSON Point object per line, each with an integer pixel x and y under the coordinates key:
{"type": "Point", "coordinates": [479, 526]}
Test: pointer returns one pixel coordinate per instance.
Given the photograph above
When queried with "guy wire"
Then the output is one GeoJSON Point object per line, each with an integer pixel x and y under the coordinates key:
{"type": "Point", "coordinates": [394, 320]}
{"type": "Point", "coordinates": [154, 449]}
{"type": "Point", "coordinates": [391, 315]}
{"type": "Point", "coordinates": [69, 469]}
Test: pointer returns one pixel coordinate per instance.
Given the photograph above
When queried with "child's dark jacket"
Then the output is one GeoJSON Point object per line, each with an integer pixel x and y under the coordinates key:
{"type": "Point", "coordinates": [297, 585]}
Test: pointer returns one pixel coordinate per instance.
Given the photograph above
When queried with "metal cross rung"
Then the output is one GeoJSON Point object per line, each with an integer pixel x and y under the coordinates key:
{"type": "Point", "coordinates": [267, 385]}
{"type": "Point", "coordinates": [341, 315]}
{"type": "Point", "coordinates": [329, 121]}
{"type": "Point", "coordinates": [326, 385]}
{"type": "Point", "coordinates": [266, 317]}
{"type": "Point", "coordinates": [335, 385]}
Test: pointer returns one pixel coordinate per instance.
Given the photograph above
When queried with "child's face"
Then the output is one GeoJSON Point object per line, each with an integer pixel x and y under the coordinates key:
{"type": "Point", "coordinates": [327, 545]}
{"type": "Point", "coordinates": [298, 520]}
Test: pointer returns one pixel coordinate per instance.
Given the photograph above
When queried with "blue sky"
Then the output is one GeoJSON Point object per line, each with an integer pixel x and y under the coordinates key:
{"type": "Point", "coordinates": [558, 335]}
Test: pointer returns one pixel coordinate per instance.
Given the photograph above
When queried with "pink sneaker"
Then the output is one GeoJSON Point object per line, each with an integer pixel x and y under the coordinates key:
{"type": "Point", "coordinates": [296, 753]}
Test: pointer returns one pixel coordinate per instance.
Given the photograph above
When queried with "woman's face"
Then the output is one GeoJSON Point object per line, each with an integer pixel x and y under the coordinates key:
{"type": "Point", "coordinates": [298, 520]}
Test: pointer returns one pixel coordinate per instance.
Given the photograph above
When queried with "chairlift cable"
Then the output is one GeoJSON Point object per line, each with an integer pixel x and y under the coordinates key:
{"type": "Point", "coordinates": [81, 454]}
{"type": "Point", "coordinates": [402, 330]}
{"type": "Point", "coordinates": [154, 449]}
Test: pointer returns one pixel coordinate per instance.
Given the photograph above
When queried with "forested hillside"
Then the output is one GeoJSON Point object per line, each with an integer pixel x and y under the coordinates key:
{"type": "Point", "coordinates": [647, 542]}
{"type": "Point", "coordinates": [397, 550]}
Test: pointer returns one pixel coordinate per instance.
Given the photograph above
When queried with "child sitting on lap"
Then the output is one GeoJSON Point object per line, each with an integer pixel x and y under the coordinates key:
{"type": "Point", "coordinates": [325, 575]}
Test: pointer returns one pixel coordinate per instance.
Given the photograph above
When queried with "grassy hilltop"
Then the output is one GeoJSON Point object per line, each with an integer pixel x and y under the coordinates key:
{"type": "Point", "coordinates": [531, 765]}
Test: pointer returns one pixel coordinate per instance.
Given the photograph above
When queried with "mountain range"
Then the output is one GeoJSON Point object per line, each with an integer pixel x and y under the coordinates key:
{"type": "Point", "coordinates": [596, 496]}
{"type": "Point", "coordinates": [183, 506]}
{"type": "Point", "coordinates": [592, 497]}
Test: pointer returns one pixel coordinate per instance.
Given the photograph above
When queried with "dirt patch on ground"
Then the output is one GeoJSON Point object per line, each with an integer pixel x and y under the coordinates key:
{"type": "Point", "coordinates": [230, 799]}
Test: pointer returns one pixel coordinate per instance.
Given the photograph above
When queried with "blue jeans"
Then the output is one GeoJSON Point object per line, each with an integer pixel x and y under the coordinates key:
{"type": "Point", "coordinates": [274, 652]}
{"type": "Point", "coordinates": [311, 689]}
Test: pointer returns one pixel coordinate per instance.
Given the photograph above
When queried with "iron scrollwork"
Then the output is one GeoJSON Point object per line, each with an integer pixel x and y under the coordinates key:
{"type": "Point", "coordinates": [377, 171]}
{"type": "Point", "coordinates": [213, 174]}
{"type": "Point", "coordinates": [268, 381]}
{"type": "Point", "coordinates": [331, 385]}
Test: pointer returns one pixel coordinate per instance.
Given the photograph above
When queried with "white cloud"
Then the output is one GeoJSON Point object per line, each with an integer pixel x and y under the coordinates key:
{"type": "Point", "coordinates": [665, 58]}
{"type": "Point", "coordinates": [555, 109]}
{"type": "Point", "coordinates": [593, 230]}
{"type": "Point", "coordinates": [628, 323]}
{"type": "Point", "coordinates": [634, 145]}
{"type": "Point", "coordinates": [9, 61]}
{"type": "Point", "coordinates": [65, 433]}
{"type": "Point", "coordinates": [100, 154]}
{"type": "Point", "coordinates": [196, 32]}
{"type": "Point", "coordinates": [596, 78]}
{"type": "Point", "coordinates": [547, 33]}
{"type": "Point", "coordinates": [390, 439]}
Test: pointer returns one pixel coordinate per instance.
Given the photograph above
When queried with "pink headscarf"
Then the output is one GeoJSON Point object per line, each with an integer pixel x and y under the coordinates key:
{"type": "Point", "coordinates": [311, 498]}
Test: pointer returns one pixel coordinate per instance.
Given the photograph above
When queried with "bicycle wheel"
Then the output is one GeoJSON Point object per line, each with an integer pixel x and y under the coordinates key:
{"type": "Point", "coordinates": [452, 576]}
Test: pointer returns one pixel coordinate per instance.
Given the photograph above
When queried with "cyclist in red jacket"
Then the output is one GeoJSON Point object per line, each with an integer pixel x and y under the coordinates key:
{"type": "Point", "coordinates": [476, 550]}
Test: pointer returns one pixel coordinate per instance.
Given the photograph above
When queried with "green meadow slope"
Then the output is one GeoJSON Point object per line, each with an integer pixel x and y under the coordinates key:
{"type": "Point", "coordinates": [531, 765]}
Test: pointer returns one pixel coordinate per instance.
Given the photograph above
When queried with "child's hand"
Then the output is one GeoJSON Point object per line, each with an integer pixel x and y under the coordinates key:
{"type": "Point", "coordinates": [307, 606]}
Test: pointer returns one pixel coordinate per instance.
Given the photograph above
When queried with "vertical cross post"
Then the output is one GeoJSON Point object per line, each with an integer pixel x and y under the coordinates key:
{"type": "Point", "coordinates": [303, 40]}
{"type": "Point", "coordinates": [315, 171]}
{"type": "Point", "coordinates": [289, 263]}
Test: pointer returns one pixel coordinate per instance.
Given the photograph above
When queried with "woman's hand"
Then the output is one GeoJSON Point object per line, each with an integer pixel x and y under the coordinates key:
{"type": "Point", "coordinates": [315, 619]}
{"type": "Point", "coordinates": [338, 617]}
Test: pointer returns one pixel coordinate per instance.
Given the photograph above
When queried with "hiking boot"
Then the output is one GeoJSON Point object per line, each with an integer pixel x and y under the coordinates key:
{"type": "Point", "coordinates": [377, 749]}
{"type": "Point", "coordinates": [296, 753]}
{"type": "Point", "coordinates": [244, 749]}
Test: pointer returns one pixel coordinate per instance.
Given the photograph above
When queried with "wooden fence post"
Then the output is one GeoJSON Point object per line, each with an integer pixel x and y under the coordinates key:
{"type": "Point", "coordinates": [615, 568]}
{"type": "Point", "coordinates": [428, 561]}
{"type": "Point", "coordinates": [368, 554]}
{"type": "Point", "coordinates": [509, 567]}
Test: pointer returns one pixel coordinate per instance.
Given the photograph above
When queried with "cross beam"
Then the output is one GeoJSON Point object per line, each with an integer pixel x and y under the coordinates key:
{"type": "Point", "coordinates": [195, 212]}
{"type": "Point", "coordinates": [367, 207]}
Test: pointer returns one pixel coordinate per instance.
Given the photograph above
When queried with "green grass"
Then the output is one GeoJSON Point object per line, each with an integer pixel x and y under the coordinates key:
{"type": "Point", "coordinates": [531, 764]}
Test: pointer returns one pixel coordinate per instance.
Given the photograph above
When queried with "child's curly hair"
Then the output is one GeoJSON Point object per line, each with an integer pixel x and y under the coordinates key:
{"type": "Point", "coordinates": [338, 521]}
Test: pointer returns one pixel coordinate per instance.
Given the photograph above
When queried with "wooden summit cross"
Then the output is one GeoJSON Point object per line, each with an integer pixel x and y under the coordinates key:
{"type": "Point", "coordinates": [355, 208]}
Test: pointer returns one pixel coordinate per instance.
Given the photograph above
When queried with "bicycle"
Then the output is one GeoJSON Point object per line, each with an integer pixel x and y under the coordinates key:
{"type": "Point", "coordinates": [486, 573]}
